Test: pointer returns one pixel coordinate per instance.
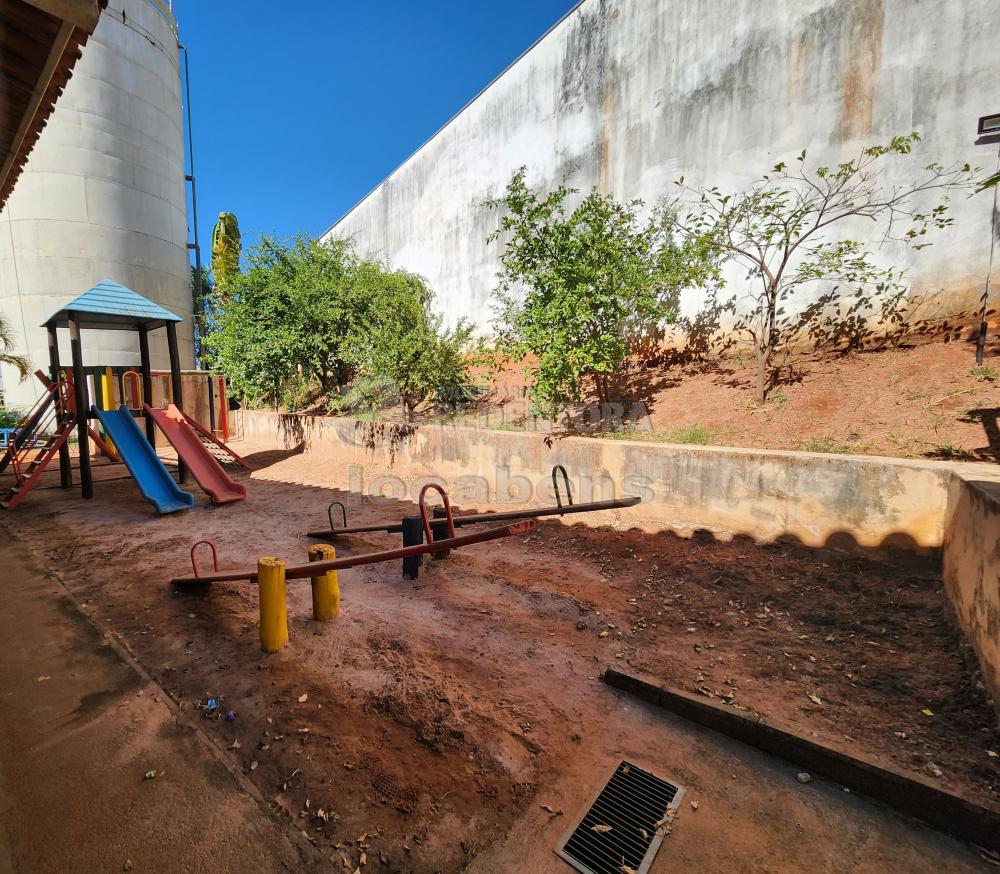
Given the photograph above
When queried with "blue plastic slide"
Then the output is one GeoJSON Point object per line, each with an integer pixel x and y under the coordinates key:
{"type": "Point", "coordinates": [153, 479]}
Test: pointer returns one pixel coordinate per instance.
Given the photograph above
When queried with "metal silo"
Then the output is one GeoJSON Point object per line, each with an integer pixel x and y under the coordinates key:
{"type": "Point", "coordinates": [103, 193]}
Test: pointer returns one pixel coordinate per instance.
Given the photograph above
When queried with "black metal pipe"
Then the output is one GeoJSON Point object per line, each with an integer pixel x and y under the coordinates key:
{"type": "Point", "coordinates": [480, 518]}
{"type": "Point", "coordinates": [147, 381]}
{"type": "Point", "coordinates": [190, 177]}
{"type": "Point", "coordinates": [65, 469]}
{"type": "Point", "coordinates": [176, 386]}
{"type": "Point", "coordinates": [413, 535]}
{"type": "Point", "coordinates": [82, 407]}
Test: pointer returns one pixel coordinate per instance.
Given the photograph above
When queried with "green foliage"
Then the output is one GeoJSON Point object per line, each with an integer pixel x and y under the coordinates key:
{"type": "Point", "coordinates": [985, 373]}
{"type": "Point", "coordinates": [989, 182]}
{"type": "Point", "coordinates": [7, 356]}
{"type": "Point", "coordinates": [281, 325]}
{"type": "Point", "coordinates": [226, 248]}
{"type": "Point", "coordinates": [201, 298]}
{"type": "Point", "coordinates": [692, 434]}
{"type": "Point", "coordinates": [10, 417]}
{"type": "Point", "coordinates": [306, 319]}
{"type": "Point", "coordinates": [581, 289]}
{"type": "Point", "coordinates": [824, 444]}
{"type": "Point", "coordinates": [398, 346]}
{"type": "Point", "coordinates": [833, 446]}
{"type": "Point", "coordinates": [951, 452]}
{"type": "Point", "coordinates": [784, 230]}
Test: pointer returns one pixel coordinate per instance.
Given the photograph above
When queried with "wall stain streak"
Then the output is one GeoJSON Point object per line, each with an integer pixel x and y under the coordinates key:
{"type": "Point", "coordinates": [864, 50]}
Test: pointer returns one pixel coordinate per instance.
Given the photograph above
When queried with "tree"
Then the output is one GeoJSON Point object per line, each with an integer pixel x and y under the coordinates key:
{"type": "Point", "coordinates": [784, 230]}
{"type": "Point", "coordinates": [580, 289]}
{"type": "Point", "coordinates": [279, 327]}
{"type": "Point", "coordinates": [398, 347]}
{"type": "Point", "coordinates": [226, 248]}
{"type": "Point", "coordinates": [201, 305]}
{"type": "Point", "coordinates": [7, 356]}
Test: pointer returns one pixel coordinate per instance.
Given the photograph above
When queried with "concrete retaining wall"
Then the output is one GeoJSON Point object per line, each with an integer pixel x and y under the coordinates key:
{"type": "Point", "coordinates": [972, 570]}
{"type": "Point", "coordinates": [814, 498]}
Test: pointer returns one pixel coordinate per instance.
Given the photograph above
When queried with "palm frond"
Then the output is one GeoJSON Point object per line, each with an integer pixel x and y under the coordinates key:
{"type": "Point", "coordinates": [7, 355]}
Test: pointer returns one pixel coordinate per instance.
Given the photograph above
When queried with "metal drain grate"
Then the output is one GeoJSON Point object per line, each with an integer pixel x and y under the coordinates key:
{"type": "Point", "coordinates": [625, 825]}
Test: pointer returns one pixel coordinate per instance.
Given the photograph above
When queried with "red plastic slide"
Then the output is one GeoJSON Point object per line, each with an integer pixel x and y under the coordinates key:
{"type": "Point", "coordinates": [211, 476]}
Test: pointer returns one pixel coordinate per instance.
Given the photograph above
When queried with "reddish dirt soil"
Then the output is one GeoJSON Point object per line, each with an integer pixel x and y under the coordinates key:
{"type": "Point", "coordinates": [417, 730]}
{"type": "Point", "coordinates": [921, 401]}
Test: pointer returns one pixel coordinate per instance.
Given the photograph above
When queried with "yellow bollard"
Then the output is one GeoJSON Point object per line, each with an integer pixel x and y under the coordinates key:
{"type": "Point", "coordinates": [271, 597]}
{"type": "Point", "coordinates": [108, 398]}
{"type": "Point", "coordinates": [325, 588]}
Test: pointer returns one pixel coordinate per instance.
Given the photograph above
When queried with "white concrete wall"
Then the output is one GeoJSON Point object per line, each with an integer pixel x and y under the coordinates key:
{"type": "Point", "coordinates": [627, 95]}
{"type": "Point", "coordinates": [102, 196]}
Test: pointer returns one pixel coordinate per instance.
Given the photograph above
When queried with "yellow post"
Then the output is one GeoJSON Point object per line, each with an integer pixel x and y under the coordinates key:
{"type": "Point", "coordinates": [108, 399]}
{"type": "Point", "coordinates": [325, 588]}
{"type": "Point", "coordinates": [271, 597]}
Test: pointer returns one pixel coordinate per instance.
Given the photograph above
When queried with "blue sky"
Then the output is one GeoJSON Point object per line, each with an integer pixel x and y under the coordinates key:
{"type": "Point", "coordinates": [301, 108]}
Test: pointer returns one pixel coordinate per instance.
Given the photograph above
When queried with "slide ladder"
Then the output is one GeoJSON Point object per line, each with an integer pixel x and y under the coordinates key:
{"type": "Point", "coordinates": [191, 449]}
{"type": "Point", "coordinates": [36, 441]}
{"type": "Point", "coordinates": [219, 450]}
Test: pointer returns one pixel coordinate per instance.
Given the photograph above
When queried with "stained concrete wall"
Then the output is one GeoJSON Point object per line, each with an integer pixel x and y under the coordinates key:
{"type": "Point", "coordinates": [102, 196]}
{"type": "Point", "coordinates": [972, 570]}
{"type": "Point", "coordinates": [628, 95]}
{"type": "Point", "coordinates": [836, 500]}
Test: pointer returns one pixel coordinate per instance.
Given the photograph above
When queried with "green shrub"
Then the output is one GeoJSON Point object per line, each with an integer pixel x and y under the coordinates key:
{"type": "Point", "coordinates": [10, 417]}
{"type": "Point", "coordinates": [693, 434]}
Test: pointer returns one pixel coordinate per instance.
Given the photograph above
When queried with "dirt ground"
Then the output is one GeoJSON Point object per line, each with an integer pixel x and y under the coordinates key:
{"type": "Point", "coordinates": [440, 721]}
{"type": "Point", "coordinates": [921, 401]}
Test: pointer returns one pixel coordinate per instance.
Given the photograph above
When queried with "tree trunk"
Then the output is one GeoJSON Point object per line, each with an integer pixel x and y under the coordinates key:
{"type": "Point", "coordinates": [763, 357]}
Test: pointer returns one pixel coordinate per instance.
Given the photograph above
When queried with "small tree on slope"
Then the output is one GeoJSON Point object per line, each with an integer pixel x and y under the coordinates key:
{"type": "Point", "coordinates": [581, 289]}
{"type": "Point", "coordinates": [784, 230]}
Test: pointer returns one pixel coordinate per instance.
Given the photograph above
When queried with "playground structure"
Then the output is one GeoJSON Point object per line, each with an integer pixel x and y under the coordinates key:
{"type": "Point", "coordinates": [65, 406]}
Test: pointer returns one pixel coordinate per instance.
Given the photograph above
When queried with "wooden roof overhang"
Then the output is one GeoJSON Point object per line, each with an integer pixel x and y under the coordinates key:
{"type": "Point", "coordinates": [40, 42]}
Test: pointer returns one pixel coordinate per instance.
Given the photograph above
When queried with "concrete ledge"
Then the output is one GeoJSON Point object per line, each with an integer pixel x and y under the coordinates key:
{"type": "Point", "coordinates": [817, 499]}
{"type": "Point", "coordinates": [971, 558]}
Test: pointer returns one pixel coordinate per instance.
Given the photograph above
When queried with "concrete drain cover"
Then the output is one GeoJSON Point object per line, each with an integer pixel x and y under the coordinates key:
{"type": "Point", "coordinates": [624, 827]}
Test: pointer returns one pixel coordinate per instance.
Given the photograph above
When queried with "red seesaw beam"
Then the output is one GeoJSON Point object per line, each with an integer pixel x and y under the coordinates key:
{"type": "Point", "coordinates": [316, 568]}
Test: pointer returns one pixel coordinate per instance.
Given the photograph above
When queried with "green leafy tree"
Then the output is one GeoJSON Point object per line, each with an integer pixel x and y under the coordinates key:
{"type": "Point", "coordinates": [279, 329]}
{"type": "Point", "coordinates": [201, 300]}
{"type": "Point", "coordinates": [784, 230]}
{"type": "Point", "coordinates": [7, 355]}
{"type": "Point", "coordinates": [226, 248]}
{"type": "Point", "coordinates": [398, 347]}
{"type": "Point", "coordinates": [581, 289]}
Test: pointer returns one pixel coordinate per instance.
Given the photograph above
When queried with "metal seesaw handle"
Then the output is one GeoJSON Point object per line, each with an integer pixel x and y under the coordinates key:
{"type": "Point", "coordinates": [447, 508]}
{"type": "Point", "coordinates": [329, 513]}
{"type": "Point", "coordinates": [215, 557]}
{"type": "Point", "coordinates": [555, 485]}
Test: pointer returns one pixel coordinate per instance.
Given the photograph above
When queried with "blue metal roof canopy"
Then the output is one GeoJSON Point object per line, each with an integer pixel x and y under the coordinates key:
{"type": "Point", "coordinates": [110, 306]}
